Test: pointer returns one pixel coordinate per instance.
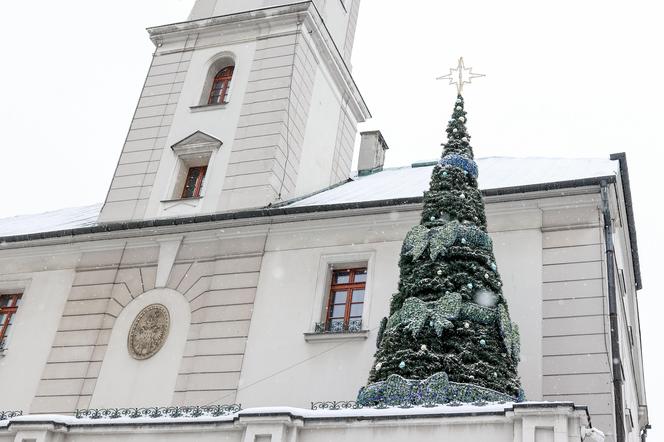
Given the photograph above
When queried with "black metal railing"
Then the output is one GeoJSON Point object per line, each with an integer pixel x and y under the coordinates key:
{"type": "Point", "coordinates": [352, 326]}
{"type": "Point", "coordinates": [4, 415]}
{"type": "Point", "coordinates": [353, 405]}
{"type": "Point", "coordinates": [156, 412]}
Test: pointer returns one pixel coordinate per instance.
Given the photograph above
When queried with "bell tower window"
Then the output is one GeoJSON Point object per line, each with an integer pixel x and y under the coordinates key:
{"type": "Point", "coordinates": [221, 85]}
{"type": "Point", "coordinates": [8, 307]}
{"type": "Point", "coordinates": [193, 184]}
{"type": "Point", "coordinates": [195, 156]}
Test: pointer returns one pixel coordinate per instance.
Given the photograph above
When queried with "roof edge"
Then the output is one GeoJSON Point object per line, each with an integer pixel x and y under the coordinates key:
{"type": "Point", "coordinates": [621, 157]}
{"type": "Point", "coordinates": [281, 211]}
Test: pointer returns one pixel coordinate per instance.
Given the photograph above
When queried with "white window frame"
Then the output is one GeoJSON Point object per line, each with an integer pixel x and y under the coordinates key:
{"type": "Point", "coordinates": [327, 264]}
{"type": "Point", "coordinates": [196, 150]}
{"type": "Point", "coordinates": [10, 287]}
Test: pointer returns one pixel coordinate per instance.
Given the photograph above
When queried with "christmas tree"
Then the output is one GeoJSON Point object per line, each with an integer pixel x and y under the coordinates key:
{"type": "Point", "coordinates": [449, 336]}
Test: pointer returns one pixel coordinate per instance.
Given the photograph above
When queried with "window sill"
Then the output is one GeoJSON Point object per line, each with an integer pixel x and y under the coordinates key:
{"type": "Point", "coordinates": [207, 107]}
{"type": "Point", "coordinates": [331, 337]}
{"type": "Point", "coordinates": [182, 200]}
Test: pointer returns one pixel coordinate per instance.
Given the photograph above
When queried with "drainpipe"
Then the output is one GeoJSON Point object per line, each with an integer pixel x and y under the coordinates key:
{"type": "Point", "coordinates": [613, 314]}
{"type": "Point", "coordinates": [644, 433]}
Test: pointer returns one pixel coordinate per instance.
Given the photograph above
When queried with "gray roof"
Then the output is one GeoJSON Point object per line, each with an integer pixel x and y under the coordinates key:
{"type": "Point", "coordinates": [495, 173]}
{"type": "Point", "coordinates": [390, 184]}
{"type": "Point", "coordinates": [63, 219]}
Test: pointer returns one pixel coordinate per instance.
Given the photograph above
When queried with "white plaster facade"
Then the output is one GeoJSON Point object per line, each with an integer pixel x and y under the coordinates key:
{"type": "Point", "coordinates": [251, 288]}
{"type": "Point", "coordinates": [244, 270]}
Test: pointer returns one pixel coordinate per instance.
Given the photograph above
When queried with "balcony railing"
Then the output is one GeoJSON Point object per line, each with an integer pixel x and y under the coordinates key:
{"type": "Point", "coordinates": [4, 415]}
{"type": "Point", "coordinates": [352, 326]}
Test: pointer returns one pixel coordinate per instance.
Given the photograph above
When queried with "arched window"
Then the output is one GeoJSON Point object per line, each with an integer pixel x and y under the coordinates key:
{"type": "Point", "coordinates": [221, 86]}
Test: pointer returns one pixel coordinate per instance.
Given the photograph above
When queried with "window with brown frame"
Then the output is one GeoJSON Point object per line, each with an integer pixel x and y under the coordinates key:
{"type": "Point", "coordinates": [221, 86]}
{"type": "Point", "coordinates": [344, 309]}
{"type": "Point", "coordinates": [193, 184]}
{"type": "Point", "coordinates": [8, 306]}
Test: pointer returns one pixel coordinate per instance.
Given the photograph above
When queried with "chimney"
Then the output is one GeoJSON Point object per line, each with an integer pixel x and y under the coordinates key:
{"type": "Point", "coordinates": [372, 153]}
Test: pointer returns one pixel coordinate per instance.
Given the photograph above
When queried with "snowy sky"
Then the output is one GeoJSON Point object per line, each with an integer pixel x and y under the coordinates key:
{"type": "Point", "coordinates": [568, 78]}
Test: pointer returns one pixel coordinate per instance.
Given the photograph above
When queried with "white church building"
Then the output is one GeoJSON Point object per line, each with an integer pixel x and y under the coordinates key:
{"type": "Point", "coordinates": [205, 278]}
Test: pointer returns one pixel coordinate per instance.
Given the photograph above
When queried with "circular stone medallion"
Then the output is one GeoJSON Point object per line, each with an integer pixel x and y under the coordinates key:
{"type": "Point", "coordinates": [149, 331]}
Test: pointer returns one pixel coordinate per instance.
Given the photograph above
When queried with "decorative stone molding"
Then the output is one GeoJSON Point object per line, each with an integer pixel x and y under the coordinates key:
{"type": "Point", "coordinates": [331, 337]}
{"type": "Point", "coordinates": [148, 332]}
{"type": "Point", "coordinates": [198, 143]}
{"type": "Point", "coordinates": [168, 250]}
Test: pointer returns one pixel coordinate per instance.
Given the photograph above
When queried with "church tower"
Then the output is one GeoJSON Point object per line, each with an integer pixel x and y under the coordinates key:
{"type": "Point", "coordinates": [246, 104]}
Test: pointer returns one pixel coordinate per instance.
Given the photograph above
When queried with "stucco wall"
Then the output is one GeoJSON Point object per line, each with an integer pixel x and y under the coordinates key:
{"type": "Point", "coordinates": [290, 299]}
{"type": "Point", "coordinates": [255, 288]}
{"type": "Point", "coordinates": [28, 345]}
{"type": "Point", "coordinates": [284, 64]}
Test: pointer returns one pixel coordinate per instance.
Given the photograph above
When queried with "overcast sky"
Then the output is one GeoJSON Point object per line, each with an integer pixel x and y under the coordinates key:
{"type": "Point", "coordinates": [568, 78]}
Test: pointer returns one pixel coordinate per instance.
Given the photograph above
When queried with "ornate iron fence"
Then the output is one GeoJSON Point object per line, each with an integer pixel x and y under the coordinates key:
{"type": "Point", "coordinates": [352, 405]}
{"type": "Point", "coordinates": [156, 412]}
{"type": "Point", "coordinates": [352, 326]}
{"type": "Point", "coordinates": [4, 415]}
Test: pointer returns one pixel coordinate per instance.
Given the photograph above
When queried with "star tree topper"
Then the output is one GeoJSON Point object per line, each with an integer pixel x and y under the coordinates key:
{"type": "Point", "coordinates": [460, 76]}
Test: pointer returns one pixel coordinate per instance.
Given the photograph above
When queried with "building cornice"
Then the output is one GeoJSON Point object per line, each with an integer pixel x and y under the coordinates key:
{"type": "Point", "coordinates": [289, 415]}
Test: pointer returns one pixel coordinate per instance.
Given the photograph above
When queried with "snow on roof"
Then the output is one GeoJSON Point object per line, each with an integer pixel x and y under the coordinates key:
{"type": "Point", "coordinates": [495, 173]}
{"type": "Point", "coordinates": [402, 182]}
{"type": "Point", "coordinates": [63, 219]}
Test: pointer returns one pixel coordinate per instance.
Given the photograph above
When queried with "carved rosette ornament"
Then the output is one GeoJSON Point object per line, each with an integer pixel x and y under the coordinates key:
{"type": "Point", "coordinates": [148, 332]}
